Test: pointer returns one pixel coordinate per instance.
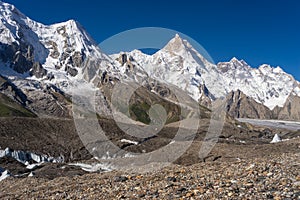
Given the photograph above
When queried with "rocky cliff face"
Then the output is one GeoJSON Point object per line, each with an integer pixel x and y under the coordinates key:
{"type": "Point", "coordinates": [267, 85]}
{"type": "Point", "coordinates": [47, 101]}
{"type": "Point", "coordinates": [290, 110]}
{"type": "Point", "coordinates": [241, 106]}
{"type": "Point", "coordinates": [18, 56]}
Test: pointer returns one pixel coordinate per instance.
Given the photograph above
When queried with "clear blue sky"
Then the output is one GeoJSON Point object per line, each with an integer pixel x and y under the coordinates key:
{"type": "Point", "coordinates": [258, 31]}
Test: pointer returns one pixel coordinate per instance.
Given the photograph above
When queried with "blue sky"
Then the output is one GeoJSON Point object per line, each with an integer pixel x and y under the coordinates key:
{"type": "Point", "coordinates": [258, 31]}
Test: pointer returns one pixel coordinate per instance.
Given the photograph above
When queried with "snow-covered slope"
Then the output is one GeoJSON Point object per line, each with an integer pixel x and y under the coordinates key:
{"type": "Point", "coordinates": [61, 48]}
{"type": "Point", "coordinates": [180, 64]}
{"type": "Point", "coordinates": [17, 28]}
{"type": "Point", "coordinates": [35, 57]}
{"type": "Point", "coordinates": [267, 85]}
{"type": "Point", "coordinates": [64, 54]}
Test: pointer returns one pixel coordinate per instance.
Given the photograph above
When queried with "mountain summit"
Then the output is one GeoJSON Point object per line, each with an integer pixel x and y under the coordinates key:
{"type": "Point", "coordinates": [178, 63]}
{"type": "Point", "coordinates": [177, 44]}
{"type": "Point", "coordinates": [59, 49]}
{"type": "Point", "coordinates": [267, 85]}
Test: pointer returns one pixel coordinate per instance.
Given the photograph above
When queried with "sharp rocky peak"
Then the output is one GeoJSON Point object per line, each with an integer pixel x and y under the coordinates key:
{"type": "Point", "coordinates": [233, 64]}
{"type": "Point", "coordinates": [177, 44]}
{"type": "Point", "coordinates": [238, 63]}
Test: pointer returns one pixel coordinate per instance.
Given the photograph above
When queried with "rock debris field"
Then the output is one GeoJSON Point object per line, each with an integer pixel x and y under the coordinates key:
{"type": "Point", "coordinates": [262, 178]}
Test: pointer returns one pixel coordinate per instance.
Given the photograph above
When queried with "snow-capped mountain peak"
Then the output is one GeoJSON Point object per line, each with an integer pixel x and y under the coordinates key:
{"type": "Point", "coordinates": [265, 84]}
{"type": "Point", "coordinates": [180, 64]}
{"type": "Point", "coordinates": [11, 23]}
{"type": "Point", "coordinates": [238, 62]}
{"type": "Point", "coordinates": [58, 52]}
{"type": "Point", "coordinates": [265, 69]}
{"type": "Point", "coordinates": [233, 64]}
{"type": "Point", "coordinates": [8, 9]}
{"type": "Point", "coordinates": [177, 44]}
{"type": "Point", "coordinates": [60, 49]}
{"type": "Point", "coordinates": [181, 47]}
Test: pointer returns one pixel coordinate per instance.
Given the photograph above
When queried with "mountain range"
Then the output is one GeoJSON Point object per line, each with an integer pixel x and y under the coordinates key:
{"type": "Point", "coordinates": [41, 64]}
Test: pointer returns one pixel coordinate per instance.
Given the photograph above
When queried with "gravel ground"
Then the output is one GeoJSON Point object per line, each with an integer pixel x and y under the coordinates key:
{"type": "Point", "coordinates": [261, 178]}
{"type": "Point", "coordinates": [242, 165]}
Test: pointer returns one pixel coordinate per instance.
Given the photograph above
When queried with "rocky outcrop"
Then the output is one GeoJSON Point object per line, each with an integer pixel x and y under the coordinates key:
{"type": "Point", "coordinates": [54, 53]}
{"type": "Point", "coordinates": [37, 70]}
{"type": "Point", "coordinates": [48, 101]}
{"type": "Point", "coordinates": [20, 64]}
{"type": "Point", "coordinates": [205, 96]}
{"type": "Point", "coordinates": [77, 59]}
{"type": "Point", "coordinates": [241, 106]}
{"type": "Point", "coordinates": [12, 91]}
{"type": "Point", "coordinates": [72, 71]}
{"type": "Point", "coordinates": [127, 61]}
{"type": "Point", "coordinates": [19, 56]}
{"type": "Point", "coordinates": [290, 110]}
{"type": "Point", "coordinates": [122, 59]}
{"type": "Point", "coordinates": [38, 98]}
{"type": "Point", "coordinates": [160, 89]}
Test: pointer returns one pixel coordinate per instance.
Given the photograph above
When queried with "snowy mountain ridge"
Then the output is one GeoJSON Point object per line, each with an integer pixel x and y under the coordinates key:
{"type": "Point", "coordinates": [60, 48]}
{"type": "Point", "coordinates": [268, 85]}
{"type": "Point", "coordinates": [59, 54]}
{"type": "Point", "coordinates": [180, 64]}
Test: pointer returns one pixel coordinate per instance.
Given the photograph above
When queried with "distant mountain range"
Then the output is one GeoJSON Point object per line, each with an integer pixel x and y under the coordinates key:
{"type": "Point", "coordinates": [40, 64]}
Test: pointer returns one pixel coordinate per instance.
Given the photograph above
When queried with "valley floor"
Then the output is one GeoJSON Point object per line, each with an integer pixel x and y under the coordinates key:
{"type": "Point", "coordinates": [242, 165]}
{"type": "Point", "coordinates": [264, 174]}
{"type": "Point", "coordinates": [274, 178]}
